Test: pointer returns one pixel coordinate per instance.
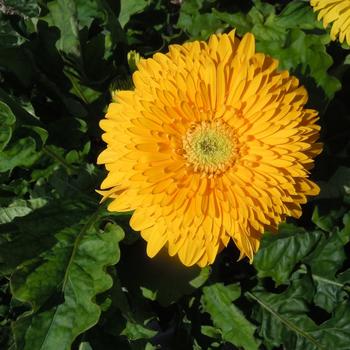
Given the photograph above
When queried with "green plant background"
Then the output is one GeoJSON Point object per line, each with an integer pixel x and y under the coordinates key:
{"type": "Point", "coordinates": [73, 275]}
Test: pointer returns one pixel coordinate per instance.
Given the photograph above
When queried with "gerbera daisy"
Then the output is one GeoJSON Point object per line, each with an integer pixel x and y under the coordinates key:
{"type": "Point", "coordinates": [212, 144]}
{"type": "Point", "coordinates": [336, 12]}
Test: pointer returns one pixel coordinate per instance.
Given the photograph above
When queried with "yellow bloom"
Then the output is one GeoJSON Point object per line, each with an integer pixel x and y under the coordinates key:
{"type": "Point", "coordinates": [213, 144]}
{"type": "Point", "coordinates": [336, 12]}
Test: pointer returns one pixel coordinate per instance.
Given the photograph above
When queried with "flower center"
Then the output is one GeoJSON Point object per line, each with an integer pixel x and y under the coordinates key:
{"type": "Point", "coordinates": [210, 147]}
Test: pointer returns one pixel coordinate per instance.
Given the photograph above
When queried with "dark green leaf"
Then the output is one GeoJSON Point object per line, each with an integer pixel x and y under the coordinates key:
{"type": "Point", "coordinates": [336, 186]}
{"type": "Point", "coordinates": [235, 328]}
{"type": "Point", "coordinates": [7, 120]}
{"type": "Point", "coordinates": [85, 346]}
{"type": "Point", "coordinates": [19, 208]}
{"type": "Point", "coordinates": [148, 294]}
{"type": "Point", "coordinates": [197, 24]}
{"type": "Point", "coordinates": [88, 10]}
{"type": "Point", "coordinates": [284, 319]}
{"type": "Point", "coordinates": [328, 256]}
{"type": "Point", "coordinates": [28, 8]}
{"type": "Point", "coordinates": [280, 253]}
{"type": "Point", "coordinates": [325, 261]}
{"type": "Point", "coordinates": [286, 36]}
{"type": "Point", "coordinates": [8, 36]}
{"type": "Point", "coordinates": [31, 235]}
{"type": "Point", "coordinates": [22, 153]}
{"type": "Point", "coordinates": [63, 15]}
{"type": "Point", "coordinates": [80, 274]}
{"type": "Point", "coordinates": [134, 331]}
{"type": "Point", "coordinates": [211, 332]}
{"type": "Point", "coordinates": [236, 20]}
{"type": "Point", "coordinates": [201, 278]}
{"type": "Point", "coordinates": [326, 222]}
{"type": "Point", "coordinates": [129, 8]}
{"type": "Point", "coordinates": [15, 60]}
{"type": "Point", "coordinates": [306, 55]}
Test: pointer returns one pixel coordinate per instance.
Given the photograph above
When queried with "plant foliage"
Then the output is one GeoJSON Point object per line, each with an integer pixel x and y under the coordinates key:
{"type": "Point", "coordinates": [74, 276]}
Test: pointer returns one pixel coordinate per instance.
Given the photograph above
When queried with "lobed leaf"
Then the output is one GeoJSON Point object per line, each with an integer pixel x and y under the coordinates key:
{"type": "Point", "coordinates": [19, 208]}
{"type": "Point", "coordinates": [8, 36]}
{"type": "Point", "coordinates": [284, 319]}
{"type": "Point", "coordinates": [28, 8]}
{"type": "Point", "coordinates": [78, 267]}
{"type": "Point", "coordinates": [129, 8]}
{"type": "Point", "coordinates": [33, 234]}
{"type": "Point", "coordinates": [235, 328]}
{"type": "Point", "coordinates": [279, 253]}
{"type": "Point", "coordinates": [63, 15]}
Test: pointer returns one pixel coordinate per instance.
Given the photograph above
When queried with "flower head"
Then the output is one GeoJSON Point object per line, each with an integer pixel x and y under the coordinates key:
{"type": "Point", "coordinates": [213, 144]}
{"type": "Point", "coordinates": [336, 12]}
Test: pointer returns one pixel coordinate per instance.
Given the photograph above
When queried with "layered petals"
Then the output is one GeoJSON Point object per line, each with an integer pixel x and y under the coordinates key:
{"type": "Point", "coordinates": [213, 144]}
{"type": "Point", "coordinates": [337, 14]}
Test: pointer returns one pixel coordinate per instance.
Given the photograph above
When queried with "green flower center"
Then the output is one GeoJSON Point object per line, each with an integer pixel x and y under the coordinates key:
{"type": "Point", "coordinates": [210, 147]}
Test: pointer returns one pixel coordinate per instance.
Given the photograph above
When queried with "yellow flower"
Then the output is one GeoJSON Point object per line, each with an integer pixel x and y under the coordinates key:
{"type": "Point", "coordinates": [336, 12]}
{"type": "Point", "coordinates": [213, 144]}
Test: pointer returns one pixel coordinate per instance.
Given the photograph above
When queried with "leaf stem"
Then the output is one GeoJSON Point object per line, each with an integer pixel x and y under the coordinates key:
{"type": "Point", "coordinates": [92, 220]}
{"type": "Point", "coordinates": [58, 158]}
{"type": "Point", "coordinates": [302, 269]}
{"type": "Point", "coordinates": [287, 323]}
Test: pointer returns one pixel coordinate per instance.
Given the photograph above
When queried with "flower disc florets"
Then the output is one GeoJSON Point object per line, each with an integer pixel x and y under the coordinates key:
{"type": "Point", "coordinates": [210, 147]}
{"type": "Point", "coordinates": [213, 144]}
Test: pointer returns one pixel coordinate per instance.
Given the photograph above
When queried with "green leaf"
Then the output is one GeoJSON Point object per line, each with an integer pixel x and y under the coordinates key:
{"type": "Point", "coordinates": [297, 50]}
{"type": "Point", "coordinates": [21, 112]}
{"type": "Point", "coordinates": [344, 234]}
{"type": "Point", "coordinates": [284, 319]}
{"type": "Point", "coordinates": [236, 20]}
{"type": "Point", "coordinates": [326, 222]}
{"type": "Point", "coordinates": [329, 292]}
{"type": "Point", "coordinates": [337, 184]}
{"type": "Point", "coordinates": [19, 208]}
{"type": "Point", "coordinates": [16, 60]}
{"type": "Point", "coordinates": [328, 256]}
{"type": "Point", "coordinates": [197, 24]}
{"type": "Point", "coordinates": [129, 8]}
{"type": "Point", "coordinates": [85, 346]}
{"type": "Point", "coordinates": [201, 278]}
{"type": "Point", "coordinates": [211, 332]}
{"type": "Point", "coordinates": [304, 54]}
{"type": "Point", "coordinates": [325, 261]}
{"type": "Point", "coordinates": [7, 120]}
{"type": "Point", "coordinates": [63, 15]}
{"type": "Point", "coordinates": [287, 36]}
{"type": "Point", "coordinates": [279, 253]}
{"type": "Point", "coordinates": [148, 294]}
{"type": "Point", "coordinates": [78, 267]}
{"type": "Point", "coordinates": [324, 255]}
{"type": "Point", "coordinates": [22, 153]}
{"type": "Point", "coordinates": [235, 328]}
{"type": "Point", "coordinates": [87, 11]}
{"type": "Point", "coordinates": [149, 346]}
{"type": "Point", "coordinates": [298, 13]}
{"type": "Point", "coordinates": [15, 151]}
{"type": "Point", "coordinates": [33, 234]}
{"type": "Point", "coordinates": [87, 94]}
{"type": "Point", "coordinates": [28, 8]}
{"type": "Point", "coordinates": [8, 36]}
{"type": "Point", "coordinates": [134, 331]}
{"type": "Point", "coordinates": [9, 213]}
